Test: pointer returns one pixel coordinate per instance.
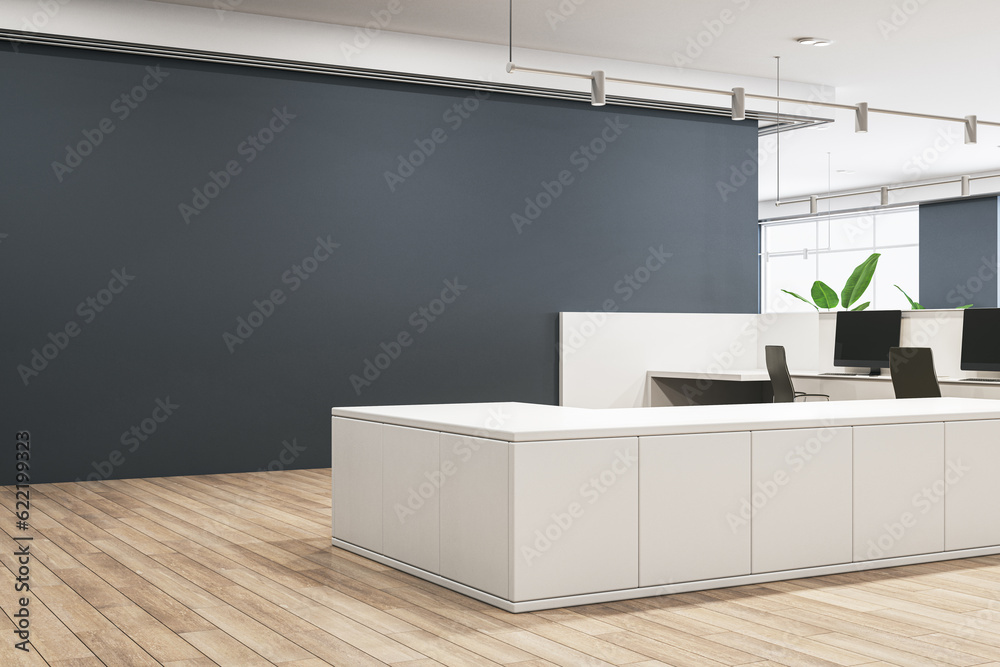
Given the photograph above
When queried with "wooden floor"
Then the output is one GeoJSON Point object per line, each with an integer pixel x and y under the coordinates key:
{"type": "Point", "coordinates": [238, 570]}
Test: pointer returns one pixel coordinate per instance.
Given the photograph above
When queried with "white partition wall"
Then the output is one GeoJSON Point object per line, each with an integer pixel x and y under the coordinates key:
{"type": "Point", "coordinates": [604, 356]}
{"type": "Point", "coordinates": [797, 332]}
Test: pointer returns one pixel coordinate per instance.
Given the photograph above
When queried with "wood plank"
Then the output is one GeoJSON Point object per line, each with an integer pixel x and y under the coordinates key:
{"type": "Point", "coordinates": [238, 569]}
{"type": "Point", "coordinates": [223, 649]}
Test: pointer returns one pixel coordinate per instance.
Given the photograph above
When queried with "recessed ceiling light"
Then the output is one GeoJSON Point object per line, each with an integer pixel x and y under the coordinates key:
{"type": "Point", "coordinates": [845, 171]}
{"type": "Point", "coordinates": [813, 41]}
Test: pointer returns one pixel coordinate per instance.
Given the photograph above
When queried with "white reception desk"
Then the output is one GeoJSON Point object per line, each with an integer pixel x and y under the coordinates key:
{"type": "Point", "coordinates": [532, 507]}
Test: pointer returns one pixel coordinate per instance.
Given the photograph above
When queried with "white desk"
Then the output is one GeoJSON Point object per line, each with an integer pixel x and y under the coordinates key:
{"type": "Point", "coordinates": [692, 387]}
{"type": "Point", "coordinates": [535, 506]}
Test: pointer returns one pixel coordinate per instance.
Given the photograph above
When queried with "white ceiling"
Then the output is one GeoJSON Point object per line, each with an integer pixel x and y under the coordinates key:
{"type": "Point", "coordinates": [931, 56]}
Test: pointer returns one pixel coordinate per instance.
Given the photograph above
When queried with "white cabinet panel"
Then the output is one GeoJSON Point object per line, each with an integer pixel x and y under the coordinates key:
{"type": "Point", "coordinates": [800, 498]}
{"type": "Point", "coordinates": [898, 490]}
{"type": "Point", "coordinates": [690, 517]}
{"type": "Point", "coordinates": [575, 517]}
{"type": "Point", "coordinates": [972, 484]}
{"type": "Point", "coordinates": [357, 482]}
{"type": "Point", "coordinates": [411, 482]}
{"type": "Point", "coordinates": [475, 546]}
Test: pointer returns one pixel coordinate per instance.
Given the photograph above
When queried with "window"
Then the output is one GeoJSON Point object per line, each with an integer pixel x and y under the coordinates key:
{"type": "Point", "coordinates": [796, 253]}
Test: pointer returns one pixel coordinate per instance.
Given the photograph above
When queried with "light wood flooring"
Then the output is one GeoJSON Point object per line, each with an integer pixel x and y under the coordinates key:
{"type": "Point", "coordinates": [238, 570]}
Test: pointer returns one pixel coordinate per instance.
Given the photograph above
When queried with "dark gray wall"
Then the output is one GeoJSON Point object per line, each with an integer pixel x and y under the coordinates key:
{"type": "Point", "coordinates": [958, 253]}
{"type": "Point", "coordinates": [265, 403]}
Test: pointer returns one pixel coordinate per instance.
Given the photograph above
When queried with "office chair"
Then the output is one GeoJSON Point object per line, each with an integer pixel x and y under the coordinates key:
{"type": "Point", "coordinates": [912, 370]}
{"type": "Point", "coordinates": [781, 380]}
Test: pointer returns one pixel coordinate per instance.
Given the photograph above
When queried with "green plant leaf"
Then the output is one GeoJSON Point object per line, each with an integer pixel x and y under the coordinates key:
{"type": "Point", "coordinates": [859, 280]}
{"type": "Point", "coordinates": [862, 306]}
{"type": "Point", "coordinates": [913, 304]}
{"type": "Point", "coordinates": [801, 298]}
{"type": "Point", "coordinates": [968, 305]}
{"type": "Point", "coordinates": [823, 295]}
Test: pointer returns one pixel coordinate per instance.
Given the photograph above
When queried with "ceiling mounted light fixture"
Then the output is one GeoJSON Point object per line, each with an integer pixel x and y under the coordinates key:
{"type": "Point", "coordinates": [861, 118]}
{"type": "Point", "coordinates": [971, 129]}
{"type": "Point", "coordinates": [739, 104]}
{"type": "Point", "coordinates": [597, 94]}
{"type": "Point", "coordinates": [813, 41]}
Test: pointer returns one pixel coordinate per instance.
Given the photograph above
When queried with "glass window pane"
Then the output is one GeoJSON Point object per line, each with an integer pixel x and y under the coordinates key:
{"type": "Point", "coordinates": [897, 266]}
{"type": "Point", "coordinates": [836, 246]}
{"type": "Point", "coordinates": [790, 272]}
{"type": "Point", "coordinates": [791, 237]}
{"type": "Point", "coordinates": [852, 233]}
{"type": "Point", "coordinates": [898, 227]}
{"type": "Point", "coordinates": [823, 234]}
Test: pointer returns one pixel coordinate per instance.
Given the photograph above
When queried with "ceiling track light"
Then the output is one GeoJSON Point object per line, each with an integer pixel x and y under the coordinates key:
{"type": "Point", "coordinates": [971, 129]}
{"type": "Point", "coordinates": [965, 183]}
{"type": "Point", "coordinates": [597, 88]}
{"type": "Point", "coordinates": [739, 104]}
{"type": "Point", "coordinates": [861, 117]}
{"type": "Point", "coordinates": [861, 110]}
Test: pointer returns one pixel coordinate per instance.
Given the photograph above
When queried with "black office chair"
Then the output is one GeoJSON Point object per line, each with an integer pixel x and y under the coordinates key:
{"type": "Point", "coordinates": [781, 380]}
{"type": "Point", "coordinates": [912, 370]}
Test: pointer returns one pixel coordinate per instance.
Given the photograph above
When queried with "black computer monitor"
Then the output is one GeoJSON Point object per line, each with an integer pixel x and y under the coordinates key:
{"type": "Point", "coordinates": [864, 338]}
{"type": "Point", "coordinates": [981, 339]}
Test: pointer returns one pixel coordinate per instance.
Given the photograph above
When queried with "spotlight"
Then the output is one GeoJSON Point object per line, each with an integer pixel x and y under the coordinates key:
{"type": "Point", "coordinates": [861, 117]}
{"type": "Point", "coordinates": [597, 97]}
{"type": "Point", "coordinates": [739, 104]}
{"type": "Point", "coordinates": [813, 41]}
{"type": "Point", "coordinates": [971, 129]}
